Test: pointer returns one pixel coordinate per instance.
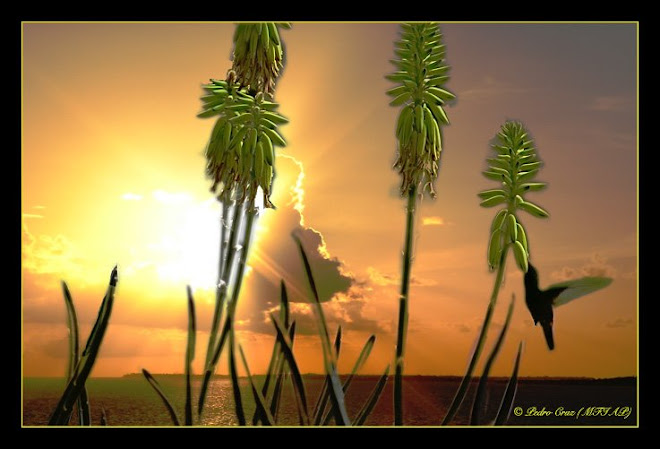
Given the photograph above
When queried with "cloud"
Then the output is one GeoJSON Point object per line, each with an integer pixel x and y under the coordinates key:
{"type": "Point", "coordinates": [32, 216]}
{"type": "Point", "coordinates": [128, 196]}
{"type": "Point", "coordinates": [38, 207]}
{"type": "Point", "coordinates": [433, 221]}
{"type": "Point", "coordinates": [596, 266]}
{"type": "Point", "coordinates": [620, 322]}
{"type": "Point", "coordinates": [610, 103]}
{"type": "Point", "coordinates": [45, 253]}
{"type": "Point", "coordinates": [348, 310]}
{"type": "Point", "coordinates": [275, 257]}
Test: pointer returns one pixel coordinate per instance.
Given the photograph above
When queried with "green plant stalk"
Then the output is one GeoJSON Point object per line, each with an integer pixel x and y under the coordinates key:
{"type": "Point", "coordinates": [465, 382]}
{"type": "Point", "coordinates": [247, 239]}
{"type": "Point", "coordinates": [403, 308]}
{"type": "Point", "coordinates": [221, 293]}
{"type": "Point", "coordinates": [225, 262]}
{"type": "Point", "coordinates": [231, 310]}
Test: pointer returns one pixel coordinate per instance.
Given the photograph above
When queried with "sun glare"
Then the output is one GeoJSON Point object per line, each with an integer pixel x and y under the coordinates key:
{"type": "Point", "coordinates": [189, 250]}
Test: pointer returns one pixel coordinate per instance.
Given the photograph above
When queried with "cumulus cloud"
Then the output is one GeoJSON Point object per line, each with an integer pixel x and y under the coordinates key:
{"type": "Point", "coordinates": [348, 310]}
{"type": "Point", "coordinates": [596, 266]}
{"type": "Point", "coordinates": [45, 253]}
{"type": "Point", "coordinates": [276, 258]}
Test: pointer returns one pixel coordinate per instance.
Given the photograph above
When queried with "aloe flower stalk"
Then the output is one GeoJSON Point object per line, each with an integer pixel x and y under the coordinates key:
{"type": "Point", "coordinates": [240, 162]}
{"type": "Point", "coordinates": [421, 75]}
{"type": "Point", "coordinates": [515, 166]}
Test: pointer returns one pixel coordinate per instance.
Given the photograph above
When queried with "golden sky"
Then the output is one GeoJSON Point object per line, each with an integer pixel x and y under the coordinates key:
{"type": "Point", "coordinates": [113, 172]}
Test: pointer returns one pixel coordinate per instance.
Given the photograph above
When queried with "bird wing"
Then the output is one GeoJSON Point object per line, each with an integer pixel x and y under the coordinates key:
{"type": "Point", "coordinates": [577, 288]}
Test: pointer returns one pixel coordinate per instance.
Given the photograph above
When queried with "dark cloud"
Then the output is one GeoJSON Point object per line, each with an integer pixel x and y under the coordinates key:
{"type": "Point", "coordinates": [346, 309]}
{"type": "Point", "coordinates": [277, 258]}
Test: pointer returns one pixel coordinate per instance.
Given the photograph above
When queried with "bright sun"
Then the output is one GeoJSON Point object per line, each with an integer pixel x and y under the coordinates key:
{"type": "Point", "coordinates": [189, 248]}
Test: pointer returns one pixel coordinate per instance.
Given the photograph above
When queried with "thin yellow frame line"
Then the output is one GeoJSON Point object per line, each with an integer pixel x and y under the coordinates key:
{"type": "Point", "coordinates": [23, 23]}
{"type": "Point", "coordinates": [525, 22]}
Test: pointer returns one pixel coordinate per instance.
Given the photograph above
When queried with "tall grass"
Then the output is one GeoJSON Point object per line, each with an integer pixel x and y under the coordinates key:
{"type": "Point", "coordinates": [81, 366]}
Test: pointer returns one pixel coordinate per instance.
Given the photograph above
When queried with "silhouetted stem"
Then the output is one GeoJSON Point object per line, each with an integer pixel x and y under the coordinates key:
{"type": "Point", "coordinates": [403, 308]}
{"type": "Point", "coordinates": [225, 265]}
{"type": "Point", "coordinates": [225, 261]}
{"type": "Point", "coordinates": [465, 382]}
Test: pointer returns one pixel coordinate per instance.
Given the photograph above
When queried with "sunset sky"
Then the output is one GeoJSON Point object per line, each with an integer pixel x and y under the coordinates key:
{"type": "Point", "coordinates": [113, 173]}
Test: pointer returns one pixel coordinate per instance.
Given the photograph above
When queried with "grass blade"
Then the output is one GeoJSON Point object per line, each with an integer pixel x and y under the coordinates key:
{"type": "Point", "coordinates": [156, 386]}
{"type": "Point", "coordinates": [510, 393]}
{"type": "Point", "coordinates": [74, 355]}
{"type": "Point", "coordinates": [284, 297]}
{"type": "Point", "coordinates": [467, 377]}
{"type": "Point", "coordinates": [479, 398]}
{"type": "Point", "coordinates": [324, 396]}
{"type": "Point", "coordinates": [190, 355]}
{"type": "Point", "coordinates": [72, 323]}
{"type": "Point", "coordinates": [329, 359]}
{"type": "Point", "coordinates": [272, 366]}
{"type": "Point", "coordinates": [275, 356]}
{"type": "Point", "coordinates": [369, 405]}
{"type": "Point", "coordinates": [62, 412]}
{"type": "Point", "coordinates": [84, 413]}
{"type": "Point", "coordinates": [104, 417]}
{"type": "Point", "coordinates": [258, 397]}
{"type": "Point", "coordinates": [362, 358]}
{"type": "Point", "coordinates": [238, 403]}
{"type": "Point", "coordinates": [282, 372]}
{"type": "Point", "coordinates": [296, 378]}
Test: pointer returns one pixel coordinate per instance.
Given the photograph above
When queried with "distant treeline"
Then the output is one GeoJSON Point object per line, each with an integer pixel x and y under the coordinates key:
{"type": "Point", "coordinates": [630, 380]}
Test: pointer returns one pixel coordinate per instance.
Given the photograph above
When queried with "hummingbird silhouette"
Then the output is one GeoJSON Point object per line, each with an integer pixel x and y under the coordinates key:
{"type": "Point", "coordinates": [542, 302]}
